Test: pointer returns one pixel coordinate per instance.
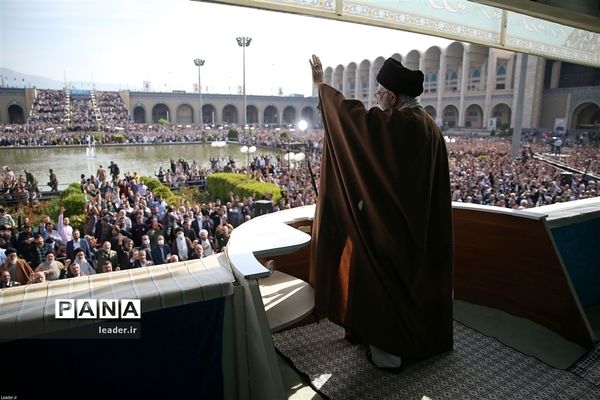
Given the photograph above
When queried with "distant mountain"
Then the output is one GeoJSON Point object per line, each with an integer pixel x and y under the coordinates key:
{"type": "Point", "coordinates": [10, 78]}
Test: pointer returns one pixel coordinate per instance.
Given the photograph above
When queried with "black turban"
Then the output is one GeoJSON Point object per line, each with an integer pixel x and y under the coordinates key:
{"type": "Point", "coordinates": [400, 80]}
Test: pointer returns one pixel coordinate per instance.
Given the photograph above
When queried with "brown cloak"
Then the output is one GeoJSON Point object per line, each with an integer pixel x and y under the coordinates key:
{"type": "Point", "coordinates": [381, 263]}
{"type": "Point", "coordinates": [23, 271]}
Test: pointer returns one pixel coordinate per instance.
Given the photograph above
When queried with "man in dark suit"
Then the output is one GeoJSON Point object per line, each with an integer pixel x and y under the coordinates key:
{"type": "Point", "coordinates": [161, 253]}
{"type": "Point", "coordinates": [202, 221]}
{"type": "Point", "coordinates": [188, 232]}
{"type": "Point", "coordinates": [5, 281]}
{"type": "Point", "coordinates": [103, 230]}
{"type": "Point", "coordinates": [78, 243]}
{"type": "Point", "coordinates": [25, 238]}
{"type": "Point", "coordinates": [138, 230]}
{"type": "Point", "coordinates": [141, 261]}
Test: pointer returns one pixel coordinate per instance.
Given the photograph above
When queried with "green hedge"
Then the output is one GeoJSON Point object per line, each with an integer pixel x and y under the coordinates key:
{"type": "Point", "coordinates": [117, 138]}
{"type": "Point", "coordinates": [73, 188]}
{"type": "Point", "coordinates": [233, 135]}
{"type": "Point", "coordinates": [221, 184]}
{"type": "Point", "coordinates": [73, 201]}
{"type": "Point", "coordinates": [158, 189]}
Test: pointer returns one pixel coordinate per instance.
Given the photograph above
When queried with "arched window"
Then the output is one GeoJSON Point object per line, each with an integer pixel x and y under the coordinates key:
{"type": "Point", "coordinates": [501, 76]}
{"type": "Point", "coordinates": [474, 79]}
{"type": "Point", "coordinates": [501, 71]}
{"type": "Point", "coordinates": [451, 80]}
{"type": "Point", "coordinates": [432, 83]}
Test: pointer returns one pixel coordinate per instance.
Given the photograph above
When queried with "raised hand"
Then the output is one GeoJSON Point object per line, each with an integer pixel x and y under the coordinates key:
{"type": "Point", "coordinates": [317, 69]}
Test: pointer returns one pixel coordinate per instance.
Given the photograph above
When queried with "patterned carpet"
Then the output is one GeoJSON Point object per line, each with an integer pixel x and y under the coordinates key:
{"type": "Point", "coordinates": [479, 367]}
{"type": "Point", "coordinates": [589, 367]}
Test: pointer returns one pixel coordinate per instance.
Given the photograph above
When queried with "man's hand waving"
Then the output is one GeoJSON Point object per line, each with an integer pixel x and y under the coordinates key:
{"type": "Point", "coordinates": [317, 69]}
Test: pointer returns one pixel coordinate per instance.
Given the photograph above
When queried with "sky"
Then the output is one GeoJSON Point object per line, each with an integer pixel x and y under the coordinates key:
{"type": "Point", "coordinates": [127, 42]}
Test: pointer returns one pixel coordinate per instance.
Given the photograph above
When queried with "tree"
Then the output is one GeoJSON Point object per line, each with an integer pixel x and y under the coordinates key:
{"type": "Point", "coordinates": [233, 135]}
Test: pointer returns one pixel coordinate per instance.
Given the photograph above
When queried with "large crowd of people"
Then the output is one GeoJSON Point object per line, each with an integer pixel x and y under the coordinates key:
{"type": "Point", "coordinates": [483, 172]}
{"type": "Point", "coordinates": [49, 107]}
{"type": "Point", "coordinates": [127, 226]}
{"type": "Point", "coordinates": [82, 117]}
{"type": "Point", "coordinates": [113, 109]}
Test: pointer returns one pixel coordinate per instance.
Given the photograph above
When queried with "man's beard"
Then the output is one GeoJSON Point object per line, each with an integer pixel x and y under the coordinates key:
{"type": "Point", "coordinates": [12, 263]}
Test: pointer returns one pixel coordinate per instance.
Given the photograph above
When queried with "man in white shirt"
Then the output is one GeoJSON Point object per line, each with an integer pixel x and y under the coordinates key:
{"type": "Point", "coordinates": [64, 229]}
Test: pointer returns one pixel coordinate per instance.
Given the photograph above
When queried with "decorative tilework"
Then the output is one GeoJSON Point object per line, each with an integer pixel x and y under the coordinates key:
{"type": "Point", "coordinates": [479, 367]}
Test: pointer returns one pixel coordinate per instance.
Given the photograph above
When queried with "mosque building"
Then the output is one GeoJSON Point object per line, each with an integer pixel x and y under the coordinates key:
{"type": "Point", "coordinates": [467, 87]}
{"type": "Point", "coordinates": [472, 87]}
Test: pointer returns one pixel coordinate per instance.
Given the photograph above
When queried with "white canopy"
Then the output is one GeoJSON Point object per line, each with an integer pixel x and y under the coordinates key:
{"type": "Point", "coordinates": [552, 32]}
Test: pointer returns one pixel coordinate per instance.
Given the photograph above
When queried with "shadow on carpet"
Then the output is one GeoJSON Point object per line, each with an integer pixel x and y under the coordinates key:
{"type": "Point", "coordinates": [479, 367]}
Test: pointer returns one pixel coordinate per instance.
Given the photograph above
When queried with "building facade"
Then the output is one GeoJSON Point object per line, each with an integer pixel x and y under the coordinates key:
{"type": "Point", "coordinates": [184, 108]}
{"type": "Point", "coordinates": [220, 109]}
{"type": "Point", "coordinates": [466, 86]}
{"type": "Point", "coordinates": [474, 87]}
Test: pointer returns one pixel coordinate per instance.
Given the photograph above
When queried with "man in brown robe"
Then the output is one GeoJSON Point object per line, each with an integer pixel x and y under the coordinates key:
{"type": "Point", "coordinates": [382, 235]}
{"type": "Point", "coordinates": [19, 269]}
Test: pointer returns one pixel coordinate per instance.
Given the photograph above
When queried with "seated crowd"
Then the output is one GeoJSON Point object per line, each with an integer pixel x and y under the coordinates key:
{"type": "Point", "coordinates": [49, 106]}
{"type": "Point", "coordinates": [113, 109]}
{"type": "Point", "coordinates": [124, 229]}
{"type": "Point", "coordinates": [82, 116]}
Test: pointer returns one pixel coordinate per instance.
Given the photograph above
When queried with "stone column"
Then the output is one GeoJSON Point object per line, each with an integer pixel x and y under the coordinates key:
{"type": "Point", "coordinates": [490, 84]}
{"type": "Point", "coordinates": [534, 86]}
{"type": "Point", "coordinates": [568, 111]}
{"type": "Point", "coordinates": [372, 86]}
{"type": "Point", "coordinates": [510, 66]}
{"type": "Point", "coordinates": [464, 84]}
{"type": "Point", "coordinates": [555, 75]}
{"type": "Point", "coordinates": [345, 85]}
{"type": "Point", "coordinates": [518, 99]}
{"type": "Point", "coordinates": [422, 64]}
{"type": "Point", "coordinates": [441, 79]}
{"type": "Point", "coordinates": [519, 70]}
{"type": "Point", "coordinates": [215, 115]}
{"type": "Point", "coordinates": [357, 85]}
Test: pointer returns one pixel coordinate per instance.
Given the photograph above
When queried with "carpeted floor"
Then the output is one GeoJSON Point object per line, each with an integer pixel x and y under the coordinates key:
{"type": "Point", "coordinates": [479, 367]}
{"type": "Point", "coordinates": [589, 367]}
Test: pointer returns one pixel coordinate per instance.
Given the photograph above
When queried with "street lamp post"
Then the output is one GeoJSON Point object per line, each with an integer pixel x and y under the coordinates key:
{"type": "Point", "coordinates": [303, 126]}
{"type": "Point", "coordinates": [199, 63]}
{"type": "Point", "coordinates": [244, 42]}
{"type": "Point", "coordinates": [248, 150]}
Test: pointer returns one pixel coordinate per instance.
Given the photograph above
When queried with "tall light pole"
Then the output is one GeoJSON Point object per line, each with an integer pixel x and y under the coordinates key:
{"type": "Point", "coordinates": [199, 63]}
{"type": "Point", "coordinates": [244, 41]}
